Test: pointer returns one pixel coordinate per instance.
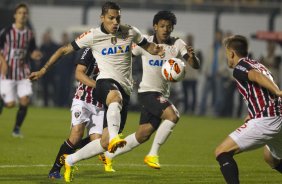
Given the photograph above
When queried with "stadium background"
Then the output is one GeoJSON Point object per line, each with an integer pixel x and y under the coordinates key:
{"type": "Point", "coordinates": [188, 155]}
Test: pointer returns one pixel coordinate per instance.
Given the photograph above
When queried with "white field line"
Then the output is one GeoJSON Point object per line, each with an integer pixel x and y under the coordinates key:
{"type": "Point", "coordinates": [123, 165]}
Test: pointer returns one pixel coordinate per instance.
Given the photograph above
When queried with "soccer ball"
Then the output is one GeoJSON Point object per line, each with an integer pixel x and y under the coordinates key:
{"type": "Point", "coordinates": [173, 70]}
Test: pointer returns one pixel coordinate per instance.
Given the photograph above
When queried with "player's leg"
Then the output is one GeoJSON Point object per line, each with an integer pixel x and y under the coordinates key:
{"type": "Point", "coordinates": [224, 155]}
{"type": "Point", "coordinates": [272, 160]}
{"type": "Point", "coordinates": [112, 95]}
{"type": "Point", "coordinates": [80, 116]}
{"type": "Point", "coordinates": [252, 135]}
{"type": "Point", "coordinates": [161, 109]}
{"type": "Point", "coordinates": [24, 91]}
{"type": "Point", "coordinates": [8, 92]}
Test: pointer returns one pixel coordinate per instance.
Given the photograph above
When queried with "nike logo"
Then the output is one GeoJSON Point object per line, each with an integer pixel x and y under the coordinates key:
{"type": "Point", "coordinates": [115, 125]}
{"type": "Point", "coordinates": [225, 164]}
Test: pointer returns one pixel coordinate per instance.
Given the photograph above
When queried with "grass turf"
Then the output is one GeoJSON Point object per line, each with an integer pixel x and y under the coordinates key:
{"type": "Point", "coordinates": [187, 157]}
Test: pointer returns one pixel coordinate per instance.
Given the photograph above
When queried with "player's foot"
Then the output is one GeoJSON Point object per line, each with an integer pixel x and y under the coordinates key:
{"type": "Point", "coordinates": [107, 163]}
{"type": "Point", "coordinates": [55, 175]}
{"type": "Point", "coordinates": [17, 134]}
{"type": "Point", "coordinates": [69, 170]}
{"type": "Point", "coordinates": [116, 143]}
{"type": "Point", "coordinates": [152, 161]}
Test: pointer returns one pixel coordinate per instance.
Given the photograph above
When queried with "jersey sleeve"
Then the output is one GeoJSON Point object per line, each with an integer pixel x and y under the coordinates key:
{"type": "Point", "coordinates": [32, 44]}
{"type": "Point", "coordinates": [86, 57]}
{"type": "Point", "coordinates": [136, 50]}
{"type": "Point", "coordinates": [241, 71]}
{"type": "Point", "coordinates": [84, 40]}
{"type": "Point", "coordinates": [138, 38]}
{"type": "Point", "coordinates": [181, 47]}
{"type": "Point", "coordinates": [2, 38]}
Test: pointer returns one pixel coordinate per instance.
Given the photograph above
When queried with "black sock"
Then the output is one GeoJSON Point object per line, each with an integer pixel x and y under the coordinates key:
{"type": "Point", "coordinates": [279, 167]}
{"type": "Point", "coordinates": [20, 118]}
{"type": "Point", "coordinates": [66, 148]}
{"type": "Point", "coordinates": [82, 143]}
{"type": "Point", "coordinates": [228, 167]}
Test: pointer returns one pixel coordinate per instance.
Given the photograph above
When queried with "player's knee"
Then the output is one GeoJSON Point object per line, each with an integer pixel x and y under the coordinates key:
{"type": "Point", "coordinates": [10, 104]}
{"type": "Point", "coordinates": [104, 143]}
{"type": "Point", "coordinates": [218, 151]}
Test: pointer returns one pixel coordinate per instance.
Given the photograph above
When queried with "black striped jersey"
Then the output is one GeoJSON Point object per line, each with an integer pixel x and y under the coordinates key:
{"type": "Point", "coordinates": [260, 101]}
{"type": "Point", "coordinates": [84, 92]}
{"type": "Point", "coordinates": [16, 46]}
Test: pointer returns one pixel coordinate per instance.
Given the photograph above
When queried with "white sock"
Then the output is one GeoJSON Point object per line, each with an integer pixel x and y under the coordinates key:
{"type": "Point", "coordinates": [161, 136]}
{"type": "Point", "coordinates": [89, 150]}
{"type": "Point", "coordinates": [113, 118]}
{"type": "Point", "coordinates": [131, 143]}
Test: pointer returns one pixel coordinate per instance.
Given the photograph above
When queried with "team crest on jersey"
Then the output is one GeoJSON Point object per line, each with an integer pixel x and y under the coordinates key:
{"type": "Point", "coordinates": [77, 114]}
{"type": "Point", "coordinates": [162, 99]}
{"type": "Point", "coordinates": [172, 50]}
{"type": "Point", "coordinates": [114, 40]}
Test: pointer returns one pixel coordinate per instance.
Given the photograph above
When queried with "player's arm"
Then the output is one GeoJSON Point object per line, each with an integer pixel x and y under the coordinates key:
{"type": "Point", "coordinates": [3, 64]}
{"type": "Point", "coordinates": [264, 81]}
{"type": "Point", "coordinates": [82, 77]}
{"type": "Point", "coordinates": [64, 50]}
{"type": "Point", "coordinates": [191, 58]}
{"type": "Point", "coordinates": [152, 48]}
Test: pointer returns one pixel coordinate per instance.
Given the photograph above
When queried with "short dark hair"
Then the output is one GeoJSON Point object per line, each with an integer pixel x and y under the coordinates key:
{"type": "Point", "coordinates": [238, 43]}
{"type": "Point", "coordinates": [21, 5]}
{"type": "Point", "coordinates": [109, 5]}
{"type": "Point", "coordinates": [165, 15]}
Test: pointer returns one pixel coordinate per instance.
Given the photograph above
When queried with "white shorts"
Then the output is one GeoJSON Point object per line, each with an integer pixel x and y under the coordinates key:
{"type": "Point", "coordinates": [82, 112]}
{"type": "Point", "coordinates": [11, 89]}
{"type": "Point", "coordinates": [259, 132]}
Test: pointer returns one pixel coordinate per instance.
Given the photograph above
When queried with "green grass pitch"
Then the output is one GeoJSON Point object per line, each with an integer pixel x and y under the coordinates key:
{"type": "Point", "coordinates": [187, 157]}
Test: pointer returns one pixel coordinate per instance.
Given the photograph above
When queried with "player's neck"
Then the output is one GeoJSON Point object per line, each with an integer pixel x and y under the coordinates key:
{"type": "Point", "coordinates": [19, 26]}
{"type": "Point", "coordinates": [160, 41]}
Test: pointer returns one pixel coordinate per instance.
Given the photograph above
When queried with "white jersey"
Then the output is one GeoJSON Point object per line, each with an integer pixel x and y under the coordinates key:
{"type": "Point", "coordinates": [112, 52]}
{"type": "Point", "coordinates": [152, 79]}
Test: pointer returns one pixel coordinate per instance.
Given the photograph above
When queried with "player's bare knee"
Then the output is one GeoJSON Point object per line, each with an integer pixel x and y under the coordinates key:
{"type": "Point", "coordinates": [104, 143]}
{"type": "Point", "coordinates": [218, 150]}
{"type": "Point", "coordinates": [10, 104]}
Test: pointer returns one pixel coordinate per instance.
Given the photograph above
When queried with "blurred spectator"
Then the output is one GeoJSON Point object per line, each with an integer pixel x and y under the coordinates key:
{"type": "Point", "coordinates": [189, 83]}
{"type": "Point", "coordinates": [65, 76]}
{"type": "Point", "coordinates": [272, 61]}
{"type": "Point", "coordinates": [214, 71]}
{"type": "Point", "coordinates": [47, 82]}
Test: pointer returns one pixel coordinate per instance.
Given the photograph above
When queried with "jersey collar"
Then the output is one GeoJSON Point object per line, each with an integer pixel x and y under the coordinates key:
{"type": "Point", "coordinates": [168, 41]}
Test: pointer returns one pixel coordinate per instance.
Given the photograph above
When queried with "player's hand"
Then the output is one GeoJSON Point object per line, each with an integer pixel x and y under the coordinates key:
{"type": "Point", "coordinates": [159, 50]}
{"type": "Point", "coordinates": [36, 55]}
{"type": "Point", "coordinates": [190, 51]}
{"type": "Point", "coordinates": [4, 68]}
{"type": "Point", "coordinates": [36, 75]}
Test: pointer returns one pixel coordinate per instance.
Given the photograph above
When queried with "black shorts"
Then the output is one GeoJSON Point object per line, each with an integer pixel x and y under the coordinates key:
{"type": "Point", "coordinates": [103, 87]}
{"type": "Point", "coordinates": [152, 106]}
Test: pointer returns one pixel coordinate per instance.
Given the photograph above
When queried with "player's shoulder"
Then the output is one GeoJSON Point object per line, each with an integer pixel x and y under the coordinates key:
{"type": "Point", "coordinates": [5, 29]}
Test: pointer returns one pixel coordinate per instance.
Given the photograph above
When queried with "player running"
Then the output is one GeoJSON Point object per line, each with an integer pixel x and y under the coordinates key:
{"type": "Point", "coordinates": [111, 46]}
{"type": "Point", "coordinates": [157, 112]}
{"type": "Point", "coordinates": [86, 111]}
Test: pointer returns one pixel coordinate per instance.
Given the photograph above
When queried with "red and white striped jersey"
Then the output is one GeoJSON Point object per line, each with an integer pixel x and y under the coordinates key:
{"type": "Point", "coordinates": [16, 46]}
{"type": "Point", "coordinates": [260, 101]}
{"type": "Point", "coordinates": [83, 92]}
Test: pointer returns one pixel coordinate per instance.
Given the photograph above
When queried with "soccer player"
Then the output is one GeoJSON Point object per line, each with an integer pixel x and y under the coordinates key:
{"type": "Point", "coordinates": [262, 127]}
{"type": "Point", "coordinates": [17, 45]}
{"type": "Point", "coordinates": [111, 46]}
{"type": "Point", "coordinates": [86, 111]}
{"type": "Point", "coordinates": [157, 112]}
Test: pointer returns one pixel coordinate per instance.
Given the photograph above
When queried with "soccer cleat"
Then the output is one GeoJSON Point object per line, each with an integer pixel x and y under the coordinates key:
{"type": "Point", "coordinates": [17, 134]}
{"type": "Point", "coordinates": [69, 170]}
{"type": "Point", "coordinates": [55, 175]}
{"type": "Point", "coordinates": [116, 143]}
{"type": "Point", "coordinates": [152, 161]}
{"type": "Point", "coordinates": [107, 163]}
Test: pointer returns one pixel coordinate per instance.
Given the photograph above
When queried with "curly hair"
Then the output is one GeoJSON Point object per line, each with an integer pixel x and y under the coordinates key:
{"type": "Point", "coordinates": [165, 15]}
